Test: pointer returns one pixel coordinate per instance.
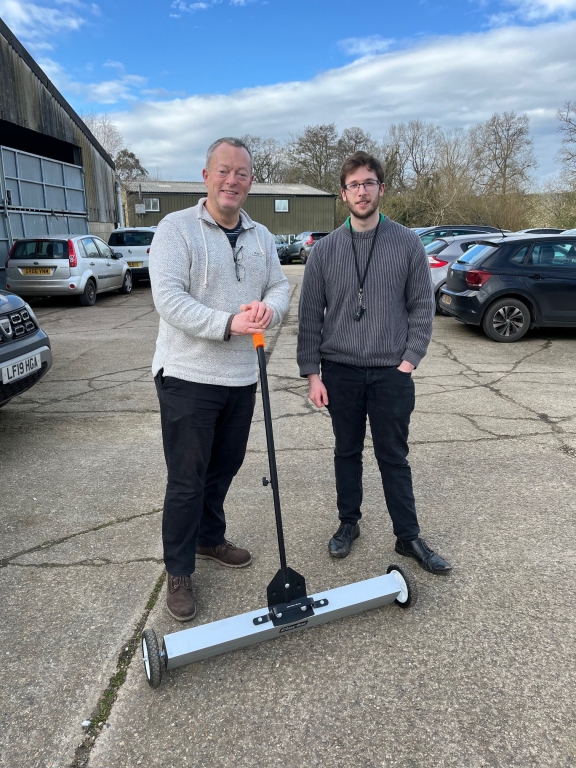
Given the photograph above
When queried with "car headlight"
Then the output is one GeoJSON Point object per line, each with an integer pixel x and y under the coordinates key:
{"type": "Point", "coordinates": [32, 314]}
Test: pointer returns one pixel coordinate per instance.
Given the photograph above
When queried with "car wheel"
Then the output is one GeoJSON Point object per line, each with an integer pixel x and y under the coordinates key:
{"type": "Point", "coordinates": [303, 256]}
{"type": "Point", "coordinates": [506, 320]}
{"type": "Point", "coordinates": [126, 283]}
{"type": "Point", "coordinates": [439, 308]}
{"type": "Point", "coordinates": [88, 298]}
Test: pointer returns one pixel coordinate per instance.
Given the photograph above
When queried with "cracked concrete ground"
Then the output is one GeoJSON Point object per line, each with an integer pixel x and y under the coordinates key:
{"type": "Point", "coordinates": [479, 674]}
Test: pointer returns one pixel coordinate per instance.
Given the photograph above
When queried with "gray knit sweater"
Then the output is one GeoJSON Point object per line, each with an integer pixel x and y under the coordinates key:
{"type": "Point", "coordinates": [398, 297]}
{"type": "Point", "coordinates": [196, 290]}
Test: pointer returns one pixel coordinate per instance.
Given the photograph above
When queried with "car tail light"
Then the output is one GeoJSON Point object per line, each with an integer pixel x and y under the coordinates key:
{"type": "Point", "coordinates": [10, 254]}
{"type": "Point", "coordinates": [147, 250]}
{"type": "Point", "coordinates": [476, 278]}
{"type": "Point", "coordinates": [435, 263]}
{"type": "Point", "coordinates": [72, 254]}
{"type": "Point", "coordinates": [309, 241]}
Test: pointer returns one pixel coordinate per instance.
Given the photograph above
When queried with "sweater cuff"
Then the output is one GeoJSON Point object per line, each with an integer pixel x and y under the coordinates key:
{"type": "Point", "coordinates": [411, 357]}
{"type": "Point", "coordinates": [227, 329]}
{"type": "Point", "coordinates": [307, 368]}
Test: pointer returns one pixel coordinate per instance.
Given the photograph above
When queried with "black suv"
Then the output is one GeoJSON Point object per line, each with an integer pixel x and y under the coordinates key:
{"type": "Point", "coordinates": [25, 353]}
{"type": "Point", "coordinates": [511, 285]}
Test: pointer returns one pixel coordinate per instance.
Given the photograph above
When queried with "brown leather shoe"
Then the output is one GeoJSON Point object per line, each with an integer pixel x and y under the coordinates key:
{"type": "Point", "coordinates": [180, 600]}
{"type": "Point", "coordinates": [226, 554]}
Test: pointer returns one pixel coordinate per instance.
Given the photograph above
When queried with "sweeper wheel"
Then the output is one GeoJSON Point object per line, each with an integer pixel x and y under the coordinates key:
{"type": "Point", "coordinates": [409, 591]}
{"type": "Point", "coordinates": [151, 658]}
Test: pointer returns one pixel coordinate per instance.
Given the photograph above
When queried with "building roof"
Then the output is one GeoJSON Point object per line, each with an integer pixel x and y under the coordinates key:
{"type": "Point", "coordinates": [13, 41]}
{"type": "Point", "coordinates": [198, 187]}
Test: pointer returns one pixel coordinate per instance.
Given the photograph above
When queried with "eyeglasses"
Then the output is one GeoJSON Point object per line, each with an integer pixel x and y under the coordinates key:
{"type": "Point", "coordinates": [238, 265]}
{"type": "Point", "coordinates": [241, 176]}
{"type": "Point", "coordinates": [369, 185]}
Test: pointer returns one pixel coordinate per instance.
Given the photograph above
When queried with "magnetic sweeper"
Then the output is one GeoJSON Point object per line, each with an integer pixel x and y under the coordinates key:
{"type": "Point", "coordinates": [290, 608]}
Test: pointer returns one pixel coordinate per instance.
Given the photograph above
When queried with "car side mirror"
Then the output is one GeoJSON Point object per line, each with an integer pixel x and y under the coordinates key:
{"type": "Point", "coordinates": [116, 255]}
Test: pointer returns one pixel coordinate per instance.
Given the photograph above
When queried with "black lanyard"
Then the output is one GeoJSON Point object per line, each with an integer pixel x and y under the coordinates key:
{"type": "Point", "coordinates": [361, 308]}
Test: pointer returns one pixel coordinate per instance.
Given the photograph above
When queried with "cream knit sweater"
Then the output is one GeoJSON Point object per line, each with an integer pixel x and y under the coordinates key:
{"type": "Point", "coordinates": [196, 289]}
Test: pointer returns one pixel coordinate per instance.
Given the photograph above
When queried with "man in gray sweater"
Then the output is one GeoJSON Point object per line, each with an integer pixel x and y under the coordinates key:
{"type": "Point", "coordinates": [216, 281]}
{"type": "Point", "coordinates": [366, 312]}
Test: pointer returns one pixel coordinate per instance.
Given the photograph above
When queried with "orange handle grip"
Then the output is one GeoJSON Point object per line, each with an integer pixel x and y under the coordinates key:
{"type": "Point", "coordinates": [258, 340]}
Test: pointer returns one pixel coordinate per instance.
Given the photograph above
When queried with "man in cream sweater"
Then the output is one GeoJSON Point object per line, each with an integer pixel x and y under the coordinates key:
{"type": "Point", "coordinates": [216, 281]}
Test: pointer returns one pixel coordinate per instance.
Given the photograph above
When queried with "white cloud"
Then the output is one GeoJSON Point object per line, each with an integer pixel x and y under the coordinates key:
{"type": "Point", "coordinates": [34, 23]}
{"type": "Point", "coordinates": [451, 81]}
{"type": "Point", "coordinates": [534, 10]}
{"type": "Point", "coordinates": [125, 87]}
{"type": "Point", "coordinates": [364, 46]}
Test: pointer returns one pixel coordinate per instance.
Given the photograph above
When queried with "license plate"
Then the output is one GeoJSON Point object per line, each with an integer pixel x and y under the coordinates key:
{"type": "Point", "coordinates": [446, 299]}
{"type": "Point", "coordinates": [37, 271]}
{"type": "Point", "coordinates": [134, 263]}
{"type": "Point", "coordinates": [21, 368]}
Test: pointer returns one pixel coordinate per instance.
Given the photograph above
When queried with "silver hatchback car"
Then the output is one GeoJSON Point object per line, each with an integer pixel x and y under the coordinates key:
{"type": "Point", "coordinates": [81, 265]}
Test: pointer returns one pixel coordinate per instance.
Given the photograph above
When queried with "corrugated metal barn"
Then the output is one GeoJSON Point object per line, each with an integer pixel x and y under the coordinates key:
{"type": "Point", "coordinates": [55, 177]}
{"type": "Point", "coordinates": [283, 208]}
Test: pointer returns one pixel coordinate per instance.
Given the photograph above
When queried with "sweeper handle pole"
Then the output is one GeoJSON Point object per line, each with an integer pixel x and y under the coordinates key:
{"type": "Point", "coordinates": [258, 340]}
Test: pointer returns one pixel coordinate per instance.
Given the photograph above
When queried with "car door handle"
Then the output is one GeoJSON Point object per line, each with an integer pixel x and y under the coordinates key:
{"type": "Point", "coordinates": [536, 277]}
{"type": "Point", "coordinates": [92, 263]}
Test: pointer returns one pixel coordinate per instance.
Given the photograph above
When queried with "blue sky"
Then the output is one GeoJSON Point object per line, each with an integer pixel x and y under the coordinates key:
{"type": "Point", "coordinates": [174, 74]}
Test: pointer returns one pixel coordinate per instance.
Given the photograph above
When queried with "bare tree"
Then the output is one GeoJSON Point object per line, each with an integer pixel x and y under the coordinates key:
{"type": "Point", "coordinates": [313, 157]}
{"type": "Point", "coordinates": [355, 140]}
{"type": "Point", "coordinates": [106, 132]}
{"type": "Point", "coordinates": [567, 153]}
{"type": "Point", "coordinates": [268, 161]}
{"type": "Point", "coordinates": [504, 153]}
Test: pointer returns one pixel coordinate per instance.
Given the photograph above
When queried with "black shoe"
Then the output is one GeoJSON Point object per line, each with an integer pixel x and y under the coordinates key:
{"type": "Point", "coordinates": [420, 551]}
{"type": "Point", "coordinates": [339, 545]}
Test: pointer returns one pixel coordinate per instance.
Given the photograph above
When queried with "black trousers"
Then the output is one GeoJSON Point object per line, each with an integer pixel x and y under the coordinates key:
{"type": "Point", "coordinates": [205, 431]}
{"type": "Point", "coordinates": [386, 396]}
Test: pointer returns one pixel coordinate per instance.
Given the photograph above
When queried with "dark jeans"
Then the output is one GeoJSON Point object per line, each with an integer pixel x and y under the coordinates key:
{"type": "Point", "coordinates": [205, 431]}
{"type": "Point", "coordinates": [386, 396]}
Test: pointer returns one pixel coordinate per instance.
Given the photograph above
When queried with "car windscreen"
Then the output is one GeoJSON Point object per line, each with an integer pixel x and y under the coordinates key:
{"type": "Point", "coordinates": [435, 247]}
{"type": "Point", "coordinates": [318, 235]}
{"type": "Point", "coordinates": [279, 240]}
{"type": "Point", "coordinates": [41, 249]}
{"type": "Point", "coordinates": [130, 238]}
{"type": "Point", "coordinates": [477, 253]}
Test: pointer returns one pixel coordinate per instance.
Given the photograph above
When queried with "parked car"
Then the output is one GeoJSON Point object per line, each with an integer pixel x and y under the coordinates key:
{"type": "Point", "coordinates": [428, 234]}
{"type": "Point", "coordinates": [80, 265]}
{"type": "Point", "coordinates": [510, 285]}
{"type": "Point", "coordinates": [25, 353]}
{"type": "Point", "coordinates": [442, 253]}
{"type": "Point", "coordinates": [281, 248]}
{"type": "Point", "coordinates": [133, 243]}
{"type": "Point", "coordinates": [300, 247]}
{"type": "Point", "coordinates": [569, 232]}
{"type": "Point", "coordinates": [540, 231]}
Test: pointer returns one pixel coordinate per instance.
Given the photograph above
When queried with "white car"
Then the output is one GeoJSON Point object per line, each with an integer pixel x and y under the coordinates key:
{"type": "Point", "coordinates": [133, 243]}
{"type": "Point", "coordinates": [65, 265]}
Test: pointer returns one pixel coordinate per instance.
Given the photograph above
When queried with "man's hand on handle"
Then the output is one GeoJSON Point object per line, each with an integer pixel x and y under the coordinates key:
{"type": "Point", "coordinates": [317, 391]}
{"type": "Point", "coordinates": [252, 318]}
{"type": "Point", "coordinates": [259, 312]}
